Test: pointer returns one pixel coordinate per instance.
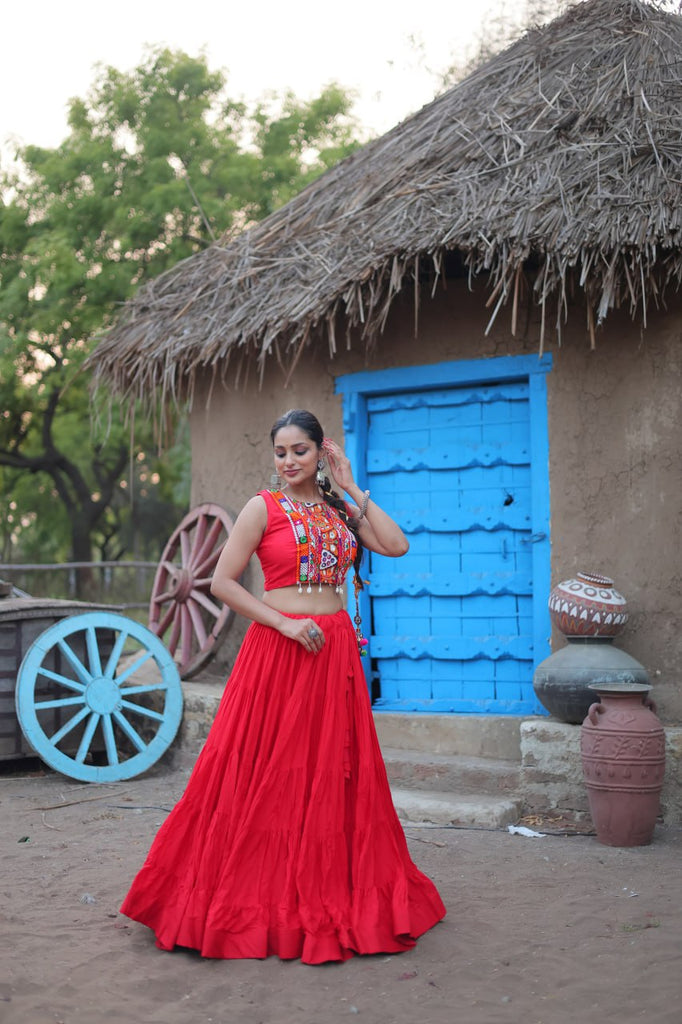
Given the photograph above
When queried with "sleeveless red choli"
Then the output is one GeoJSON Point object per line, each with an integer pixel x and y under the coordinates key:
{"type": "Point", "coordinates": [286, 841]}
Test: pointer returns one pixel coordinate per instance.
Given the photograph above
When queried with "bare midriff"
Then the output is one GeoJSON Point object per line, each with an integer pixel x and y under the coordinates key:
{"type": "Point", "coordinates": [320, 601]}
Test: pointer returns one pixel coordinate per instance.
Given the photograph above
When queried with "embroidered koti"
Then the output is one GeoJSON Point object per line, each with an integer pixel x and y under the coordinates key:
{"type": "Point", "coordinates": [304, 544]}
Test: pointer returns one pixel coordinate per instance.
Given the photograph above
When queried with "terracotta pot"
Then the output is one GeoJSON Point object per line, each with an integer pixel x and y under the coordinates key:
{"type": "Point", "coordinates": [622, 743]}
{"type": "Point", "coordinates": [588, 605]}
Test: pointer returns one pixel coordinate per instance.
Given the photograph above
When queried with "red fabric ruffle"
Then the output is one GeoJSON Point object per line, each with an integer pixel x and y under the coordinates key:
{"type": "Point", "coordinates": [286, 841]}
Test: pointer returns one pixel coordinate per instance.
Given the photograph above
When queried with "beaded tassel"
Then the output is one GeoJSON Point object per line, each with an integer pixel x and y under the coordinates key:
{"type": "Point", "coordinates": [357, 618]}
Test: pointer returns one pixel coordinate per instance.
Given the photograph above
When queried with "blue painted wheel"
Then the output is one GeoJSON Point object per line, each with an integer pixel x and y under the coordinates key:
{"type": "Point", "coordinates": [99, 697]}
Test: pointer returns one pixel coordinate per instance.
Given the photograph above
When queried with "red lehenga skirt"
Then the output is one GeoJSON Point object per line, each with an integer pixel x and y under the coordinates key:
{"type": "Point", "coordinates": [286, 841]}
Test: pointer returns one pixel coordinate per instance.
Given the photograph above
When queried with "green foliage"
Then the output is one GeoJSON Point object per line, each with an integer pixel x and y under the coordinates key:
{"type": "Point", "coordinates": [158, 162]}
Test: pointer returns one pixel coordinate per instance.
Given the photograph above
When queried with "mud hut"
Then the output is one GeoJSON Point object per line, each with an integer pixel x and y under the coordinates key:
{"type": "Point", "coordinates": [485, 303]}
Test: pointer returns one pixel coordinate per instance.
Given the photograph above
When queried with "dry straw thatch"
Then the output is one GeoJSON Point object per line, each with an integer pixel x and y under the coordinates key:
{"type": "Point", "coordinates": [555, 167]}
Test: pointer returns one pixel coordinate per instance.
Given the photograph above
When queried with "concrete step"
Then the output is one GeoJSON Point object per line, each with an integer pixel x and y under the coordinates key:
{"type": "Point", "coordinates": [454, 773]}
{"type": "Point", "coordinates": [494, 736]}
{"type": "Point", "coordinates": [413, 805]}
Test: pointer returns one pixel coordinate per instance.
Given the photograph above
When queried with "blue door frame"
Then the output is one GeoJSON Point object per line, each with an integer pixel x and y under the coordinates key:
{"type": "Point", "coordinates": [360, 393]}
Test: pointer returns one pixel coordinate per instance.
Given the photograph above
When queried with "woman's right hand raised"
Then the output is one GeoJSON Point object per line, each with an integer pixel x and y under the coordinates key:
{"type": "Point", "coordinates": [306, 632]}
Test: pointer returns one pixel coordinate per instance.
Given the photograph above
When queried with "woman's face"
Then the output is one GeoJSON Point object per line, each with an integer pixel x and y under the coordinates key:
{"type": "Point", "coordinates": [296, 455]}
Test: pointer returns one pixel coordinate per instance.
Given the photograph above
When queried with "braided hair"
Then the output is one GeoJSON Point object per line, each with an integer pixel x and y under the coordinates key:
{"type": "Point", "coordinates": [311, 426]}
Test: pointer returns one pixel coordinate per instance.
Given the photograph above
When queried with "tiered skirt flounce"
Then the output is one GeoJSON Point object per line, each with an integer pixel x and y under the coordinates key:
{"type": "Point", "coordinates": [286, 841]}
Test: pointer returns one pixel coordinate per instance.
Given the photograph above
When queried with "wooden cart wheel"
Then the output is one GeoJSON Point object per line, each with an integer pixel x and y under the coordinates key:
{"type": "Point", "coordinates": [99, 697]}
{"type": "Point", "coordinates": [182, 612]}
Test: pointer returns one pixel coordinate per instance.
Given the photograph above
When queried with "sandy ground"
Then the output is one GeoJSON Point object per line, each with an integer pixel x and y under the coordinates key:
{"type": "Point", "coordinates": [539, 930]}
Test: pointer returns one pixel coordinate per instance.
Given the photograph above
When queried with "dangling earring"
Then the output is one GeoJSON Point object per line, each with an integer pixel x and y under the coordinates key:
{"type": "Point", "coordinates": [276, 481]}
{"type": "Point", "coordinates": [319, 476]}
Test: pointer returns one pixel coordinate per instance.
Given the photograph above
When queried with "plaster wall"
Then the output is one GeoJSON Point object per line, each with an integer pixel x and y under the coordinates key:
{"type": "Point", "coordinates": [614, 424]}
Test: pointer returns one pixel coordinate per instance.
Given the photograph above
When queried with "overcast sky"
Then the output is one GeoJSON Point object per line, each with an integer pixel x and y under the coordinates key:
{"type": "Point", "coordinates": [388, 51]}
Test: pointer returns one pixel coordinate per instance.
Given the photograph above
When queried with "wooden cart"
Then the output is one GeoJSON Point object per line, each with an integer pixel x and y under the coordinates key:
{"type": "Point", "coordinates": [95, 694]}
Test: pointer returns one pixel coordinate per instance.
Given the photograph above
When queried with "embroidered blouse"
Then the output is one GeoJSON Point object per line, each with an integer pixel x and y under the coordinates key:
{"type": "Point", "coordinates": [304, 544]}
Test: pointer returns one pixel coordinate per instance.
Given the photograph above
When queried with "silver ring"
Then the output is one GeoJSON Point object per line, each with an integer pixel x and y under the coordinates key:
{"type": "Point", "coordinates": [312, 632]}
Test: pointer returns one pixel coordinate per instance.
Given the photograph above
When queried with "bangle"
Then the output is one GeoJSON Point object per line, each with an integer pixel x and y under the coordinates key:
{"type": "Point", "coordinates": [363, 506]}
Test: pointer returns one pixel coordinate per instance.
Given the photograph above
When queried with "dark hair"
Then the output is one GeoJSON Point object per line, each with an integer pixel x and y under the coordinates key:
{"type": "Point", "coordinates": [303, 419]}
{"type": "Point", "coordinates": [311, 426]}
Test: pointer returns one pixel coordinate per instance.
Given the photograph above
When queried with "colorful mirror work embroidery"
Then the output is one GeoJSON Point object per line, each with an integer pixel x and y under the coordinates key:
{"type": "Point", "coordinates": [325, 547]}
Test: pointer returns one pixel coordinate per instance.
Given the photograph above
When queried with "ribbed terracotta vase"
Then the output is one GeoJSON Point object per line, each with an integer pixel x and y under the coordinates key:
{"type": "Point", "coordinates": [622, 743]}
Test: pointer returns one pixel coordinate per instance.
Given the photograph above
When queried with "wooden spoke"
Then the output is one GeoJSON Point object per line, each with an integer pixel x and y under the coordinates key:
{"type": "Point", "coordinates": [86, 739]}
{"type": "Point", "coordinates": [181, 610]}
{"type": "Point", "coordinates": [75, 662]}
{"type": "Point", "coordinates": [57, 737]}
{"type": "Point", "coordinates": [133, 736]}
{"type": "Point", "coordinates": [77, 747]}
{"type": "Point", "coordinates": [94, 660]}
{"type": "Point", "coordinates": [185, 548]}
{"type": "Point", "coordinates": [172, 641]}
{"type": "Point", "coordinates": [131, 691]}
{"type": "Point", "coordinates": [197, 622]}
{"type": "Point", "coordinates": [200, 536]}
{"type": "Point", "coordinates": [70, 684]}
{"type": "Point", "coordinates": [138, 709]}
{"type": "Point", "coordinates": [202, 551]}
{"type": "Point", "coordinates": [116, 652]}
{"type": "Point", "coordinates": [186, 640]}
{"type": "Point", "coordinates": [62, 702]}
{"type": "Point", "coordinates": [130, 670]}
{"type": "Point", "coordinates": [206, 603]}
{"type": "Point", "coordinates": [109, 740]}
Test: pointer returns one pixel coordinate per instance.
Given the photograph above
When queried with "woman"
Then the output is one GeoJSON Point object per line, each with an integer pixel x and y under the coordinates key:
{"type": "Point", "coordinates": [286, 841]}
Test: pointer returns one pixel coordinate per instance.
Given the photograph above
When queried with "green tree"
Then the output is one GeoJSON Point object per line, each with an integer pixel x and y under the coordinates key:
{"type": "Point", "coordinates": [157, 164]}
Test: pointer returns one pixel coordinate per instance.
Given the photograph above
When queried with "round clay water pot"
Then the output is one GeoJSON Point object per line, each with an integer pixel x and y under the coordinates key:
{"type": "Point", "coordinates": [564, 681]}
{"type": "Point", "coordinates": [588, 605]}
{"type": "Point", "coordinates": [622, 744]}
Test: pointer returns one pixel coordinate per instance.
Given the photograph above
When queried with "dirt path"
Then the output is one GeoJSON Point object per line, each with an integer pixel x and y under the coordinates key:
{"type": "Point", "coordinates": [539, 931]}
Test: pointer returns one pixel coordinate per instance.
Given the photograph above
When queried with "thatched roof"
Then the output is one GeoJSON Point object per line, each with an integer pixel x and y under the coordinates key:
{"type": "Point", "coordinates": [557, 165]}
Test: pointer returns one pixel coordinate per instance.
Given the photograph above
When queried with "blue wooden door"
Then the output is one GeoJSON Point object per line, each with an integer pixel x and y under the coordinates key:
{"type": "Point", "coordinates": [454, 623]}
